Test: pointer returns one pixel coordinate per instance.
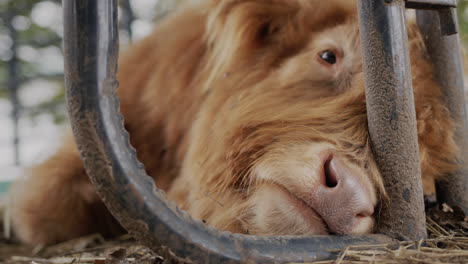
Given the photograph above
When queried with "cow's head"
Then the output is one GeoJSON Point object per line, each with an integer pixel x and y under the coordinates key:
{"type": "Point", "coordinates": [281, 143]}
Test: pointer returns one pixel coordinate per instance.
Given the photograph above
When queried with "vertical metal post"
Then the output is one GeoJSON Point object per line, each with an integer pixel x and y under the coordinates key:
{"type": "Point", "coordinates": [13, 82]}
{"type": "Point", "coordinates": [392, 117]}
{"type": "Point", "coordinates": [445, 53]}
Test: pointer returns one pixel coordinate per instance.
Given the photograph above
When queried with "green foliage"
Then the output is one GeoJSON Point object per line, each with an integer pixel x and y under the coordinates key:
{"type": "Point", "coordinates": [463, 20]}
{"type": "Point", "coordinates": [19, 29]}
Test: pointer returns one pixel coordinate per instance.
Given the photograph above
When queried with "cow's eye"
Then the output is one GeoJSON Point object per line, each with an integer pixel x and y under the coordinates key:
{"type": "Point", "coordinates": [328, 56]}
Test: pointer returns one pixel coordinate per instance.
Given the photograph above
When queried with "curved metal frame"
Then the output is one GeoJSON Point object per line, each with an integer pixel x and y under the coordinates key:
{"type": "Point", "coordinates": [91, 54]}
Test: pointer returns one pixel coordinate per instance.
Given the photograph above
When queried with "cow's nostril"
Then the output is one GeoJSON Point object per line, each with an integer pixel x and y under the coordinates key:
{"type": "Point", "coordinates": [342, 198]}
{"type": "Point", "coordinates": [331, 177]}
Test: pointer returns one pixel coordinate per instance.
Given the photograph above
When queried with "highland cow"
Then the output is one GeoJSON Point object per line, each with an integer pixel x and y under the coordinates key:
{"type": "Point", "coordinates": [251, 115]}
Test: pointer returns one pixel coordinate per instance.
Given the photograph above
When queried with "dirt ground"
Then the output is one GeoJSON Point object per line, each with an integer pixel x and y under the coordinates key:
{"type": "Point", "coordinates": [447, 243]}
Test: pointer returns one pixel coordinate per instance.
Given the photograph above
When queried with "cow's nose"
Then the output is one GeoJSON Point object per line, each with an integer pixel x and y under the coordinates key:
{"type": "Point", "coordinates": [342, 197]}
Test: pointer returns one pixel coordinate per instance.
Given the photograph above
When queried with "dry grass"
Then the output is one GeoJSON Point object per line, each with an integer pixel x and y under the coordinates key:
{"type": "Point", "coordinates": [91, 249]}
{"type": "Point", "coordinates": [447, 243]}
{"type": "Point", "coordinates": [454, 250]}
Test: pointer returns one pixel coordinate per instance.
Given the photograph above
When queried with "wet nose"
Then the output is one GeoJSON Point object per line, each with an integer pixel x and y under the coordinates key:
{"type": "Point", "coordinates": [343, 197]}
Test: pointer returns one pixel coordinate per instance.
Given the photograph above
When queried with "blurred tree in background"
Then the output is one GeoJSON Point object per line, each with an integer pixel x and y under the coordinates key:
{"type": "Point", "coordinates": [30, 35]}
{"type": "Point", "coordinates": [463, 20]}
{"type": "Point", "coordinates": [31, 67]}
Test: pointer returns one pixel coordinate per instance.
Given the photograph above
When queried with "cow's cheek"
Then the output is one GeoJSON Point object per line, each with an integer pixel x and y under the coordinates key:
{"type": "Point", "coordinates": [275, 212]}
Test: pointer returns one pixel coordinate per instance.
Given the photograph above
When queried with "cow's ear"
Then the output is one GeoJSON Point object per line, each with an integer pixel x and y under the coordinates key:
{"type": "Point", "coordinates": [238, 31]}
{"type": "Point", "coordinates": [239, 26]}
{"type": "Point", "coordinates": [248, 24]}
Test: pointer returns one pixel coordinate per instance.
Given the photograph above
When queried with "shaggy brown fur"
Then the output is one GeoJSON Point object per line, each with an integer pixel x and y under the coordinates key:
{"type": "Point", "coordinates": [229, 107]}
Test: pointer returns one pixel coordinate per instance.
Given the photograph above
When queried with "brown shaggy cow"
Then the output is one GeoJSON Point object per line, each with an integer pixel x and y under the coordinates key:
{"type": "Point", "coordinates": [251, 115]}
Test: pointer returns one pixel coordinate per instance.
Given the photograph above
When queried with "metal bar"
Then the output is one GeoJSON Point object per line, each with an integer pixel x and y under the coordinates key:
{"type": "Point", "coordinates": [445, 53]}
{"type": "Point", "coordinates": [446, 9]}
{"type": "Point", "coordinates": [391, 116]}
{"type": "Point", "coordinates": [448, 21]}
{"type": "Point", "coordinates": [91, 52]}
{"type": "Point", "coordinates": [430, 4]}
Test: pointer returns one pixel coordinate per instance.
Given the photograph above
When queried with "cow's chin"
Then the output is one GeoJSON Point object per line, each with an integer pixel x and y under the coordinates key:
{"type": "Point", "coordinates": [275, 211]}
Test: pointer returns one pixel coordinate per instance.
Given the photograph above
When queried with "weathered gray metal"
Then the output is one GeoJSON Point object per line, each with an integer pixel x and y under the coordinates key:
{"type": "Point", "coordinates": [429, 4]}
{"type": "Point", "coordinates": [446, 55]}
{"type": "Point", "coordinates": [392, 118]}
{"type": "Point", "coordinates": [446, 13]}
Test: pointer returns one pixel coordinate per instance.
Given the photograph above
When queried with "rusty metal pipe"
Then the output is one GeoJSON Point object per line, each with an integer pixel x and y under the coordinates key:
{"type": "Point", "coordinates": [445, 53]}
{"type": "Point", "coordinates": [391, 116]}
